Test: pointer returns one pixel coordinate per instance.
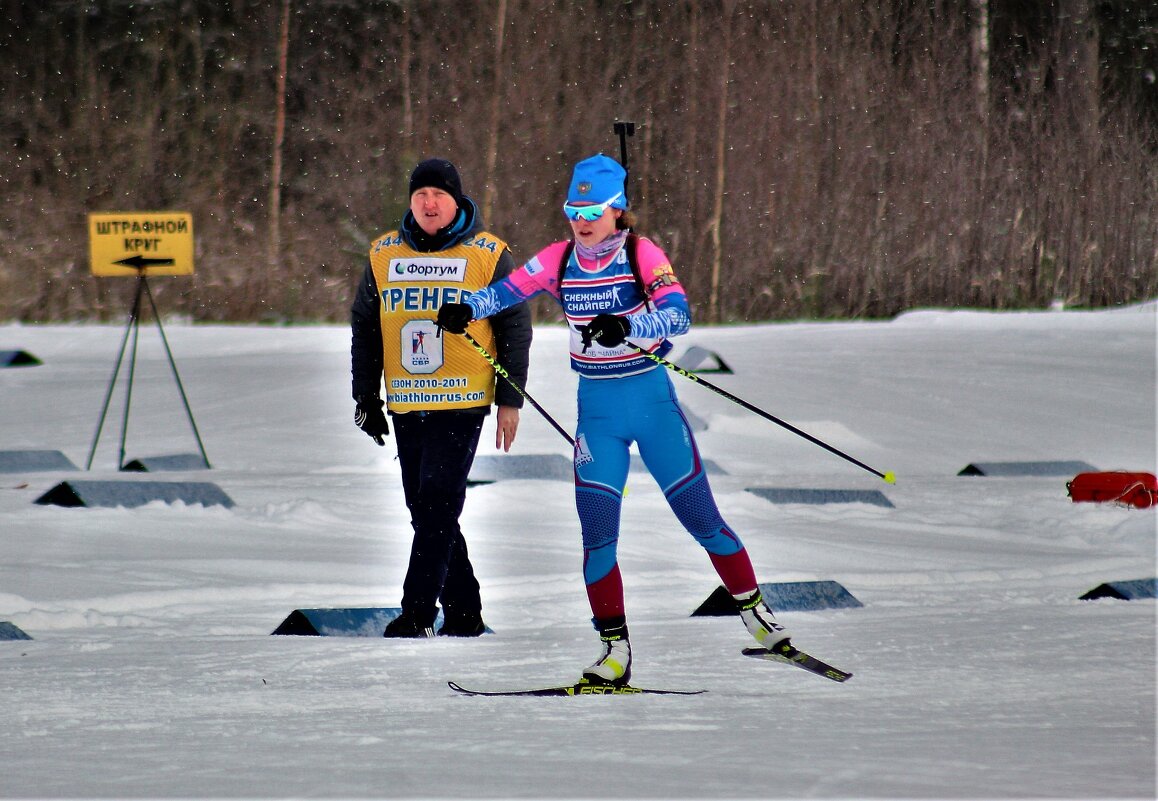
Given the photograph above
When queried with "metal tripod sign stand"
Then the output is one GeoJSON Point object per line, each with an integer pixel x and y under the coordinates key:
{"type": "Point", "coordinates": [116, 244]}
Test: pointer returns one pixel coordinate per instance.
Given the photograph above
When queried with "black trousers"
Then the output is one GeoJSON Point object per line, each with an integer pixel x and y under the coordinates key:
{"type": "Point", "coordinates": [436, 451]}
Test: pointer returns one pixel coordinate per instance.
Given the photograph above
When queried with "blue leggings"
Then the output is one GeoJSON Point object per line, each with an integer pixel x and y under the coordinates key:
{"type": "Point", "coordinates": [613, 413]}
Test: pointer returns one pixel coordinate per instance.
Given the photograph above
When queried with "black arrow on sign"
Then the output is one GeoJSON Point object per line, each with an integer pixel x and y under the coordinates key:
{"type": "Point", "coordinates": [141, 262]}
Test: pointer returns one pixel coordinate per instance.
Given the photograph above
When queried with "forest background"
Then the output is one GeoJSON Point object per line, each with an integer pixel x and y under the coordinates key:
{"type": "Point", "coordinates": [804, 159]}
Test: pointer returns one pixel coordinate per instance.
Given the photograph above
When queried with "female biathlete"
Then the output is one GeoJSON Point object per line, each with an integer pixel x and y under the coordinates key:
{"type": "Point", "coordinates": [614, 286]}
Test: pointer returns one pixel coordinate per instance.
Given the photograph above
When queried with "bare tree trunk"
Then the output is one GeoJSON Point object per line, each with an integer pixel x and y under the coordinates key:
{"type": "Point", "coordinates": [979, 63]}
{"type": "Point", "coordinates": [643, 173]}
{"type": "Point", "coordinates": [404, 69]}
{"type": "Point", "coordinates": [814, 64]}
{"type": "Point", "coordinates": [831, 64]}
{"type": "Point", "coordinates": [496, 96]}
{"type": "Point", "coordinates": [1080, 90]}
{"type": "Point", "coordinates": [278, 141]}
{"type": "Point", "coordinates": [979, 53]}
{"type": "Point", "coordinates": [1078, 65]}
{"type": "Point", "coordinates": [721, 172]}
{"type": "Point", "coordinates": [691, 130]}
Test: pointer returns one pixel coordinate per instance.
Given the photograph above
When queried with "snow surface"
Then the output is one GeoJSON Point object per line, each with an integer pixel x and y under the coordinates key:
{"type": "Point", "coordinates": [978, 672]}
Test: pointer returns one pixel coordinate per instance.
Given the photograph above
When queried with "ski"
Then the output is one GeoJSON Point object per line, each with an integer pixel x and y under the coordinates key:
{"type": "Point", "coordinates": [791, 655]}
{"type": "Point", "coordinates": [579, 688]}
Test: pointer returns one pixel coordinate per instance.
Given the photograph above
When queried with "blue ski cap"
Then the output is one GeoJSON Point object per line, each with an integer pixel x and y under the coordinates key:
{"type": "Point", "coordinates": [597, 180]}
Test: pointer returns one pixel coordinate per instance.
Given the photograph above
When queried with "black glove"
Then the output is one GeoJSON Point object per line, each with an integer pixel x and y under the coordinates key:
{"type": "Point", "coordinates": [609, 330]}
{"type": "Point", "coordinates": [454, 317]}
{"type": "Point", "coordinates": [368, 416]}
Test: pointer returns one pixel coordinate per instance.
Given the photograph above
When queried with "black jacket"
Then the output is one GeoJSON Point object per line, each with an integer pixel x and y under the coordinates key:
{"type": "Point", "coordinates": [512, 326]}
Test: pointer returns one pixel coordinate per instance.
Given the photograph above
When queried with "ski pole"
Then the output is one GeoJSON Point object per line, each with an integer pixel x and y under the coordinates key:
{"type": "Point", "coordinates": [498, 368]}
{"type": "Point", "coordinates": [889, 477]}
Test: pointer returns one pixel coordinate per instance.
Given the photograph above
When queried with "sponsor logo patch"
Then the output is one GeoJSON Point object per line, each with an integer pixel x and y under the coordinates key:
{"type": "Point", "coordinates": [428, 269]}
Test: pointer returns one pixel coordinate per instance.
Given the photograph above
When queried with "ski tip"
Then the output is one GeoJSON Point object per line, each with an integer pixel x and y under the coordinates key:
{"type": "Point", "coordinates": [890, 477]}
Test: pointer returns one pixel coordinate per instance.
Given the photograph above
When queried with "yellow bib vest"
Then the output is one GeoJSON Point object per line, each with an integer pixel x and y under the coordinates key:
{"type": "Point", "coordinates": [427, 369]}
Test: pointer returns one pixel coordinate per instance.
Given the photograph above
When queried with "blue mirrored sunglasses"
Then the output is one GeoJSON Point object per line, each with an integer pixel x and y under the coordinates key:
{"type": "Point", "coordinates": [589, 213]}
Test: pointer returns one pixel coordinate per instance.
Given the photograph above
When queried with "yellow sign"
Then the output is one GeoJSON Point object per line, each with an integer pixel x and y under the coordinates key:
{"type": "Point", "coordinates": [141, 243]}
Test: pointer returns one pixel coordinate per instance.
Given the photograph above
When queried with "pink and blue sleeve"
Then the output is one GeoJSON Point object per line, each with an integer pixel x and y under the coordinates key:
{"type": "Point", "coordinates": [672, 316]}
{"type": "Point", "coordinates": [539, 274]}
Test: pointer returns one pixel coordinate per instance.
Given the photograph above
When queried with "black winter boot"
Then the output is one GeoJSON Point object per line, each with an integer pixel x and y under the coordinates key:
{"type": "Point", "coordinates": [464, 625]}
{"type": "Point", "coordinates": [407, 625]}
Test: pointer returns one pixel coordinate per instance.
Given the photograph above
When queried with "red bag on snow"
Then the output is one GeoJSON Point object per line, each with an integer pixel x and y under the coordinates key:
{"type": "Point", "coordinates": [1135, 489]}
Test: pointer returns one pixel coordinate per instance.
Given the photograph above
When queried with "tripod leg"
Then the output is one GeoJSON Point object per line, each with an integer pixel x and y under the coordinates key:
{"type": "Point", "coordinates": [131, 375]}
{"type": "Point", "coordinates": [134, 320]}
{"type": "Point", "coordinates": [177, 378]}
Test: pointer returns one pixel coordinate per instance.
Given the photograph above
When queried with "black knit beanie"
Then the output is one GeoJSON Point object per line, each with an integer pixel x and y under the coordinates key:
{"type": "Point", "coordinates": [440, 174]}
